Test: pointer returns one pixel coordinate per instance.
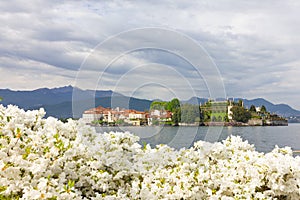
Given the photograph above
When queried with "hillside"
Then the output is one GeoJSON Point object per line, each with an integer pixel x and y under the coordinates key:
{"type": "Point", "coordinates": [280, 109]}
{"type": "Point", "coordinates": [58, 101]}
{"type": "Point", "coordinates": [46, 96]}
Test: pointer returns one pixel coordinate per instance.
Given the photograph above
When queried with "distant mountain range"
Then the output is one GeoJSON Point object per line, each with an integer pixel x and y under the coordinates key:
{"type": "Point", "coordinates": [58, 101]}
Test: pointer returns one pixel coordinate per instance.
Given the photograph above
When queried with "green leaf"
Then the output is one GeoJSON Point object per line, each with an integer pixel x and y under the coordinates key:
{"type": "Point", "coordinates": [71, 183]}
{"type": "Point", "coordinates": [3, 188]}
{"type": "Point", "coordinates": [56, 136]}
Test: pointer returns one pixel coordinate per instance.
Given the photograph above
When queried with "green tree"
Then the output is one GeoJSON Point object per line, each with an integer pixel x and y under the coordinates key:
{"type": "Point", "coordinates": [263, 109]}
{"type": "Point", "coordinates": [176, 117]}
{"type": "Point", "coordinates": [173, 105]}
{"type": "Point", "coordinates": [206, 115]}
{"type": "Point", "coordinates": [158, 105]}
{"type": "Point", "coordinates": [189, 113]}
{"type": "Point", "coordinates": [198, 119]}
{"type": "Point", "coordinates": [1, 98]}
{"type": "Point", "coordinates": [240, 114]}
{"type": "Point", "coordinates": [252, 108]}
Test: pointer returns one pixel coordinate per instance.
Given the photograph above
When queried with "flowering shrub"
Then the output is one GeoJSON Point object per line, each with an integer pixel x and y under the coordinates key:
{"type": "Point", "coordinates": [47, 159]}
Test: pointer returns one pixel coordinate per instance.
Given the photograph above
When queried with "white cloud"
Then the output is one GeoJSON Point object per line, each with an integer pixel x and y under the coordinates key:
{"type": "Point", "coordinates": [25, 74]}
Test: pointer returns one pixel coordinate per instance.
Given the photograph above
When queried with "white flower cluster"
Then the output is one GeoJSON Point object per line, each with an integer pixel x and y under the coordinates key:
{"type": "Point", "coordinates": [47, 159]}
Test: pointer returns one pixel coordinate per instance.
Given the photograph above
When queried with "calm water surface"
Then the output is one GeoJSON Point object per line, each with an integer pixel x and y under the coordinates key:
{"type": "Point", "coordinates": [263, 137]}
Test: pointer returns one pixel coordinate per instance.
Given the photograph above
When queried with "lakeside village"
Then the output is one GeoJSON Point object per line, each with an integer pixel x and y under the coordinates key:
{"type": "Point", "coordinates": [212, 113]}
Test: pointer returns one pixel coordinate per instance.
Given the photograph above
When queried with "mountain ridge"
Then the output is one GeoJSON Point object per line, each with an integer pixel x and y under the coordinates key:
{"type": "Point", "coordinates": [58, 102]}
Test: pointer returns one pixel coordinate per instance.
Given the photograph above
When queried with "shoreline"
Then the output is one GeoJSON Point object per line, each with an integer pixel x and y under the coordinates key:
{"type": "Point", "coordinates": [233, 124]}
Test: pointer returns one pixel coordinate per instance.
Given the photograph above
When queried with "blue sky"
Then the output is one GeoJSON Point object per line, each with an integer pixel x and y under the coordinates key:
{"type": "Point", "coordinates": [255, 46]}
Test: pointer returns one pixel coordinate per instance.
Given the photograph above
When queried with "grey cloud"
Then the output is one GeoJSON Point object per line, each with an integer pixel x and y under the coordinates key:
{"type": "Point", "coordinates": [19, 6]}
{"type": "Point", "coordinates": [248, 40]}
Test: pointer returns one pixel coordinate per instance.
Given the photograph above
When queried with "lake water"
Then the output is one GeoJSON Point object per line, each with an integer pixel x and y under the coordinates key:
{"type": "Point", "coordinates": [263, 137]}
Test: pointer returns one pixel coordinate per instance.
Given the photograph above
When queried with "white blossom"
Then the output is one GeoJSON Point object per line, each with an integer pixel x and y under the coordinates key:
{"type": "Point", "coordinates": [45, 158]}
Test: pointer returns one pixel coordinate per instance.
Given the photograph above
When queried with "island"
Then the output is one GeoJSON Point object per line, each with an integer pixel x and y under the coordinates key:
{"type": "Point", "coordinates": [173, 113]}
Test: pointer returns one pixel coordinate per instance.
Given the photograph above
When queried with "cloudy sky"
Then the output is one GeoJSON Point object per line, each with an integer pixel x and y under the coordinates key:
{"type": "Point", "coordinates": [251, 48]}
